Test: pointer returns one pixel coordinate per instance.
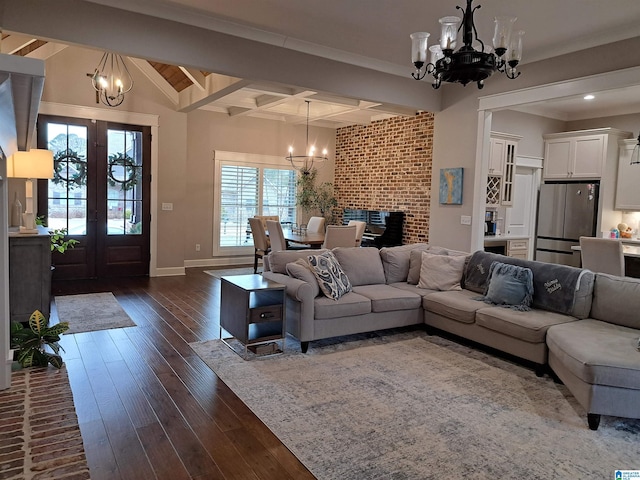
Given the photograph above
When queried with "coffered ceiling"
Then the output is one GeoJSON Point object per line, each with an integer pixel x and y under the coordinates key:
{"type": "Point", "coordinates": [372, 34]}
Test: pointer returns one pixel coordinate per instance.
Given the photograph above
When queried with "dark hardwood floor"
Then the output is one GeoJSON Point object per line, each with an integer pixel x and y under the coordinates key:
{"type": "Point", "coordinates": [148, 406]}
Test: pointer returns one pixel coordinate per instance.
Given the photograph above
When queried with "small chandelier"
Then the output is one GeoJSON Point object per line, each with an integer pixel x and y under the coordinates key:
{"type": "Point", "coordinates": [304, 163]}
{"type": "Point", "coordinates": [635, 156]}
{"type": "Point", "coordinates": [467, 64]}
{"type": "Point", "coordinates": [111, 79]}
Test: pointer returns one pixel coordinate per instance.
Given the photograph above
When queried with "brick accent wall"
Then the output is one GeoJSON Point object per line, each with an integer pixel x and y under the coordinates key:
{"type": "Point", "coordinates": [387, 165]}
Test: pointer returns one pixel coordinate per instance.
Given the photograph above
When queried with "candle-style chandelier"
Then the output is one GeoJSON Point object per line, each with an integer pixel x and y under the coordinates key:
{"type": "Point", "coordinates": [304, 163]}
{"type": "Point", "coordinates": [467, 64]}
{"type": "Point", "coordinates": [111, 79]}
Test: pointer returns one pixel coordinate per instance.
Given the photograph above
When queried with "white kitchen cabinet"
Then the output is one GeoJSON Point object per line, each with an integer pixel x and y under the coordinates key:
{"type": "Point", "coordinates": [628, 186]}
{"type": "Point", "coordinates": [502, 166]}
{"type": "Point", "coordinates": [518, 249]}
{"type": "Point", "coordinates": [580, 155]}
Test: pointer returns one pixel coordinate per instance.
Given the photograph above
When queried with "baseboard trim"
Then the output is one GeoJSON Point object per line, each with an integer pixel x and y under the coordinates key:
{"type": "Point", "coordinates": [169, 272]}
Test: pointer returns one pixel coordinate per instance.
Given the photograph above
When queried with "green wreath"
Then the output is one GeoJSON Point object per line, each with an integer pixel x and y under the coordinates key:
{"type": "Point", "coordinates": [61, 162]}
{"type": "Point", "coordinates": [131, 171]}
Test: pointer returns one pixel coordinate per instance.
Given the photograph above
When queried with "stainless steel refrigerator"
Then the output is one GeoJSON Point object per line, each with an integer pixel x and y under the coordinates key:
{"type": "Point", "coordinates": [566, 212]}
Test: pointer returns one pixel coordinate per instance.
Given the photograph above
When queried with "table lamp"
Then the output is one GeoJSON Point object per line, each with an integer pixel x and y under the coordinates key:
{"type": "Point", "coordinates": [34, 164]}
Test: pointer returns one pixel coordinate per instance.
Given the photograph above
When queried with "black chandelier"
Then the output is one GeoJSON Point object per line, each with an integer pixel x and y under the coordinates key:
{"type": "Point", "coordinates": [467, 64]}
{"type": "Point", "coordinates": [304, 163]}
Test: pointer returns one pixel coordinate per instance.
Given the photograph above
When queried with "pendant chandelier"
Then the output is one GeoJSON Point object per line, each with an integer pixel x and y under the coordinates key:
{"type": "Point", "coordinates": [467, 64]}
{"type": "Point", "coordinates": [111, 79]}
{"type": "Point", "coordinates": [304, 163]}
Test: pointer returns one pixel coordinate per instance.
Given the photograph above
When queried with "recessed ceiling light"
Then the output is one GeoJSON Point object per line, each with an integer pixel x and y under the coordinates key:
{"type": "Point", "coordinates": [589, 97]}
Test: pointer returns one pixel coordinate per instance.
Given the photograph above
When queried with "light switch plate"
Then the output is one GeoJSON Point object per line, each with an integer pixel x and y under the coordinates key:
{"type": "Point", "coordinates": [167, 206]}
{"type": "Point", "coordinates": [465, 219]}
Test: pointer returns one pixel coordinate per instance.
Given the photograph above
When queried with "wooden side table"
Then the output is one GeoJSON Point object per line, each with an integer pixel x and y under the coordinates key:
{"type": "Point", "coordinates": [252, 311]}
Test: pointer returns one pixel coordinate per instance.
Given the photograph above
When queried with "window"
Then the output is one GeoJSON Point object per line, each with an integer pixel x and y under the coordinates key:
{"type": "Point", "coordinates": [248, 189]}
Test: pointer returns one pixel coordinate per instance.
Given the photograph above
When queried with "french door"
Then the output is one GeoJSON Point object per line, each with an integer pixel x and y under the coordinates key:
{"type": "Point", "coordinates": [99, 194]}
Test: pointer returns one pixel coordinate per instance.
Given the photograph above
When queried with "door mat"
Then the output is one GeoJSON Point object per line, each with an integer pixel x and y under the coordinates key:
{"type": "Point", "coordinates": [92, 311]}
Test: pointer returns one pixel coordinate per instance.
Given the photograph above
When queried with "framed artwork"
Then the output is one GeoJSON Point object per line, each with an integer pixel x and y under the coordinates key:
{"type": "Point", "coordinates": [451, 186]}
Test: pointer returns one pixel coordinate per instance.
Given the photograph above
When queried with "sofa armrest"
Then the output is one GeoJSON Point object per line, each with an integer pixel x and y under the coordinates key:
{"type": "Point", "coordinates": [300, 305]}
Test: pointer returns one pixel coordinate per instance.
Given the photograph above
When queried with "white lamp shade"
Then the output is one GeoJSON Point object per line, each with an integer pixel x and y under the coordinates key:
{"type": "Point", "coordinates": [36, 163]}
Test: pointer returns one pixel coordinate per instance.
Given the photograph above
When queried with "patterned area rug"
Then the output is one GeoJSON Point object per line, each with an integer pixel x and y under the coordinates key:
{"type": "Point", "coordinates": [91, 311]}
{"type": "Point", "coordinates": [411, 406]}
{"type": "Point", "coordinates": [40, 437]}
{"type": "Point", "coordinates": [230, 271]}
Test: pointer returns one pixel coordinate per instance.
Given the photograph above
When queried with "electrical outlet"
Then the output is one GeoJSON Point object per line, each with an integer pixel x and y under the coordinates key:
{"type": "Point", "coordinates": [197, 247]}
{"type": "Point", "coordinates": [465, 219]}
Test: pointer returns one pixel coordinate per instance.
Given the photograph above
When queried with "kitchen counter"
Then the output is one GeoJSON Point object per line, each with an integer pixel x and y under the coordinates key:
{"type": "Point", "coordinates": [505, 237]}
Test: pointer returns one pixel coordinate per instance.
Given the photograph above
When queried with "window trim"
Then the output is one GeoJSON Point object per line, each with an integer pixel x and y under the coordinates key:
{"type": "Point", "coordinates": [245, 160]}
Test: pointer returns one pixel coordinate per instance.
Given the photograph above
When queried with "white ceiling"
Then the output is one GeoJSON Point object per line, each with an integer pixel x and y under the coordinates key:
{"type": "Point", "coordinates": [375, 34]}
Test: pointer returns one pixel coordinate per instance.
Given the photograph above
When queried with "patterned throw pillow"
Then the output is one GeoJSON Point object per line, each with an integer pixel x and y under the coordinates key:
{"type": "Point", "coordinates": [333, 282]}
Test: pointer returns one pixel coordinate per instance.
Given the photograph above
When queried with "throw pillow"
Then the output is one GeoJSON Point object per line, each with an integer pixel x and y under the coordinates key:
{"type": "Point", "coordinates": [510, 286]}
{"type": "Point", "coordinates": [301, 270]}
{"type": "Point", "coordinates": [333, 282]}
{"type": "Point", "coordinates": [441, 272]}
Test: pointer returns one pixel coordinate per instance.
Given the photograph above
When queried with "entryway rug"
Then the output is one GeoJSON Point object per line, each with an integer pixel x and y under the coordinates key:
{"type": "Point", "coordinates": [40, 437]}
{"type": "Point", "coordinates": [412, 406]}
{"type": "Point", "coordinates": [91, 311]}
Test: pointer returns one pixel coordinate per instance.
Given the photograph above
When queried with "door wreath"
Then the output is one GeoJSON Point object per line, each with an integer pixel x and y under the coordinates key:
{"type": "Point", "coordinates": [131, 171]}
{"type": "Point", "coordinates": [70, 169]}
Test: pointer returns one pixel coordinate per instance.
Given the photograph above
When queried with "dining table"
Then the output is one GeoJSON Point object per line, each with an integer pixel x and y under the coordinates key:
{"type": "Point", "coordinates": [313, 239]}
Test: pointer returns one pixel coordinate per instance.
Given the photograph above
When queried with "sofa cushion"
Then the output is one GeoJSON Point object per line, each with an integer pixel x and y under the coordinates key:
{"type": "Point", "coordinates": [599, 353]}
{"type": "Point", "coordinates": [510, 285]}
{"type": "Point", "coordinates": [616, 300]}
{"type": "Point", "coordinates": [441, 272]}
{"type": "Point", "coordinates": [362, 265]}
{"type": "Point", "coordinates": [458, 305]}
{"type": "Point", "coordinates": [278, 260]}
{"type": "Point", "coordinates": [415, 261]}
{"type": "Point", "coordinates": [385, 298]}
{"type": "Point", "coordinates": [395, 260]}
{"type": "Point", "coordinates": [530, 326]}
{"type": "Point", "coordinates": [301, 270]}
{"type": "Point", "coordinates": [348, 305]}
{"type": "Point", "coordinates": [332, 280]}
{"type": "Point", "coordinates": [413, 288]}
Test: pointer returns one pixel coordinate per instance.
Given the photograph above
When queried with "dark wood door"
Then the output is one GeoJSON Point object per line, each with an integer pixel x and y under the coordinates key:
{"type": "Point", "coordinates": [100, 195]}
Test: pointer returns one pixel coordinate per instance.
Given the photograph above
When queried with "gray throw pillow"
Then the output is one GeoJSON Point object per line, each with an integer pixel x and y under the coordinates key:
{"type": "Point", "coordinates": [301, 270]}
{"type": "Point", "coordinates": [333, 282]}
{"type": "Point", "coordinates": [441, 272]}
{"type": "Point", "coordinates": [510, 286]}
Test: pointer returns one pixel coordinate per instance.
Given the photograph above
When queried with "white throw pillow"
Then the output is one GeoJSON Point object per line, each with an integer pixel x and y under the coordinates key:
{"type": "Point", "coordinates": [441, 272]}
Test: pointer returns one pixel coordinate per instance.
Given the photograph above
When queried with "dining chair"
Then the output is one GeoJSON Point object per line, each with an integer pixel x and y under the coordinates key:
{"type": "Point", "coordinates": [276, 236]}
{"type": "Point", "coordinates": [259, 241]}
{"type": "Point", "coordinates": [315, 225]}
{"type": "Point", "coordinates": [603, 255]}
{"type": "Point", "coordinates": [360, 227]}
{"type": "Point", "coordinates": [340, 236]}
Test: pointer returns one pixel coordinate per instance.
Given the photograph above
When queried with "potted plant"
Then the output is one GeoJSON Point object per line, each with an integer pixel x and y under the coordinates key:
{"type": "Point", "coordinates": [316, 197]}
{"type": "Point", "coordinates": [58, 242]}
{"type": "Point", "coordinates": [36, 345]}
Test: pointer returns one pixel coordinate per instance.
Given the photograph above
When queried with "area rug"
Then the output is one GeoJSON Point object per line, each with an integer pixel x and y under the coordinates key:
{"type": "Point", "coordinates": [40, 437]}
{"type": "Point", "coordinates": [412, 406]}
{"type": "Point", "coordinates": [91, 311]}
{"type": "Point", "coordinates": [230, 271]}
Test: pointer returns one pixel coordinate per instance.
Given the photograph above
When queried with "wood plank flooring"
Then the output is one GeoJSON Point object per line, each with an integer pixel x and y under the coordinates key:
{"type": "Point", "coordinates": [148, 406]}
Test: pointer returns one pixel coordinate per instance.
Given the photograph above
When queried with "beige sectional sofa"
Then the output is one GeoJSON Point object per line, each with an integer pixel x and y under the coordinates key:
{"type": "Point", "coordinates": [584, 326]}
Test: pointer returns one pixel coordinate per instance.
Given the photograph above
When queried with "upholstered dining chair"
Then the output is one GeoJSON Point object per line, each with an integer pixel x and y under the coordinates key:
{"type": "Point", "coordinates": [360, 227]}
{"type": "Point", "coordinates": [340, 236]}
{"type": "Point", "coordinates": [603, 255]}
{"type": "Point", "coordinates": [259, 241]}
{"type": "Point", "coordinates": [315, 225]}
{"type": "Point", "coordinates": [276, 236]}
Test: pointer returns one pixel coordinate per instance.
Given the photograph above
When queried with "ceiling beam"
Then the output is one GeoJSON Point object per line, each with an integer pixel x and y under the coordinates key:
{"type": "Point", "coordinates": [157, 79]}
{"type": "Point", "coordinates": [15, 42]}
{"type": "Point", "coordinates": [216, 86]}
{"type": "Point", "coordinates": [47, 50]}
{"type": "Point", "coordinates": [196, 76]}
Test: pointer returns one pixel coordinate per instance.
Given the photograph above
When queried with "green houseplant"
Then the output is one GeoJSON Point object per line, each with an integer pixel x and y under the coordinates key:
{"type": "Point", "coordinates": [37, 345]}
{"type": "Point", "coordinates": [58, 235]}
{"type": "Point", "coordinates": [312, 196]}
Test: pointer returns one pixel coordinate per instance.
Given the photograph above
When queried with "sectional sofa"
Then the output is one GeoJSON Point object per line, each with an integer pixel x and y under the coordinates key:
{"type": "Point", "coordinates": [584, 326]}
